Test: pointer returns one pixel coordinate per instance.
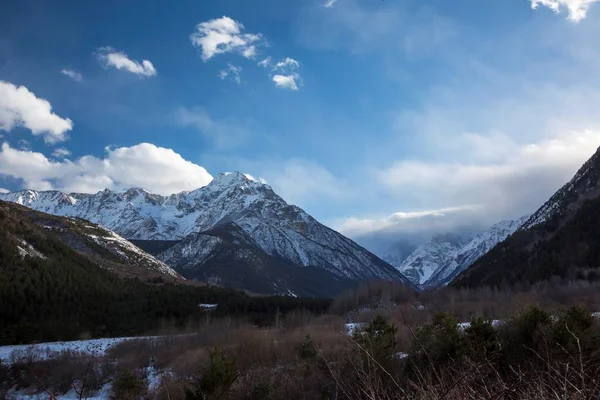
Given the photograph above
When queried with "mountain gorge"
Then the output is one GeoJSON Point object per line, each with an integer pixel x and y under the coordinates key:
{"type": "Point", "coordinates": [232, 222]}
{"type": "Point", "coordinates": [438, 260]}
{"type": "Point", "coordinates": [558, 242]}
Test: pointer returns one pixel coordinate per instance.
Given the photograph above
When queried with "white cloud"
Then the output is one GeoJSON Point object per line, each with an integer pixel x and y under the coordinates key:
{"type": "Point", "coordinates": [287, 81]}
{"type": "Point", "coordinates": [516, 182]}
{"type": "Point", "coordinates": [252, 178]}
{"type": "Point", "coordinates": [156, 169]}
{"type": "Point", "coordinates": [224, 35]}
{"type": "Point", "coordinates": [286, 64]}
{"type": "Point", "coordinates": [110, 57]}
{"type": "Point", "coordinates": [225, 134]}
{"type": "Point", "coordinates": [2, 190]}
{"type": "Point", "coordinates": [264, 63]}
{"type": "Point", "coordinates": [60, 152]}
{"type": "Point", "coordinates": [576, 9]}
{"type": "Point", "coordinates": [233, 72]}
{"type": "Point", "coordinates": [20, 107]}
{"type": "Point", "coordinates": [76, 76]}
{"type": "Point", "coordinates": [330, 3]}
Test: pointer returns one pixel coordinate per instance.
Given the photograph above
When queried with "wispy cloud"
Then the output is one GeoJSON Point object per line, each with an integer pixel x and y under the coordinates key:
{"type": "Point", "coordinates": [60, 152]}
{"type": "Point", "coordinates": [110, 57]}
{"type": "Point", "coordinates": [225, 134]}
{"type": "Point", "coordinates": [233, 72]}
{"type": "Point", "coordinates": [286, 78]}
{"type": "Point", "coordinates": [330, 3]}
{"type": "Point", "coordinates": [286, 81]}
{"type": "Point", "coordinates": [20, 107]}
{"type": "Point", "coordinates": [285, 64]}
{"type": "Point", "coordinates": [391, 28]}
{"type": "Point", "coordinates": [76, 76]}
{"type": "Point", "coordinates": [225, 35]}
{"type": "Point", "coordinates": [265, 62]}
{"type": "Point", "coordinates": [576, 9]}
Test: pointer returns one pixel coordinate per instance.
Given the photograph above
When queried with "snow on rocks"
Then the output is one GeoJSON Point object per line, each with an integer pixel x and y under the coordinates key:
{"type": "Point", "coordinates": [27, 250]}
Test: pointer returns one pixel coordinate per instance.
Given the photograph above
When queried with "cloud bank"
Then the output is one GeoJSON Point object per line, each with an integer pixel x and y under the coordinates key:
{"type": "Point", "coordinates": [155, 169]}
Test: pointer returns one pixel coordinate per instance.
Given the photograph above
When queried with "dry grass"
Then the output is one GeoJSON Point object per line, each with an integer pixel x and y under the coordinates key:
{"type": "Point", "coordinates": [270, 363]}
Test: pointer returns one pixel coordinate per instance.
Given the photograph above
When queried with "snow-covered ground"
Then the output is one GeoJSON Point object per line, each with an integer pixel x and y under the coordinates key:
{"type": "Point", "coordinates": [43, 351]}
{"type": "Point", "coordinates": [154, 381]}
{"type": "Point", "coordinates": [24, 394]}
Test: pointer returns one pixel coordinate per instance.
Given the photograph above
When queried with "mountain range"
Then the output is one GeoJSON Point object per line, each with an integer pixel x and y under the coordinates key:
{"type": "Point", "coordinates": [441, 258]}
{"type": "Point", "coordinates": [238, 232]}
{"type": "Point", "coordinates": [233, 232]}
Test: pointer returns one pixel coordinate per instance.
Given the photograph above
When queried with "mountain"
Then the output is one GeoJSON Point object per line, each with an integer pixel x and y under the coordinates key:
{"type": "Point", "coordinates": [559, 241]}
{"type": "Point", "coordinates": [431, 256]}
{"type": "Point", "coordinates": [54, 285]}
{"type": "Point", "coordinates": [100, 245]}
{"type": "Point", "coordinates": [472, 251]}
{"type": "Point", "coordinates": [231, 203]}
{"type": "Point", "coordinates": [228, 256]}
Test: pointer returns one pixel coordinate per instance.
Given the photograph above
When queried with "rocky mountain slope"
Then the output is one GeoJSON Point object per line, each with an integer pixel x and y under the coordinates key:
{"type": "Point", "coordinates": [228, 256]}
{"type": "Point", "coordinates": [431, 256]}
{"type": "Point", "coordinates": [100, 245]}
{"type": "Point", "coordinates": [281, 231]}
{"type": "Point", "coordinates": [559, 241]}
{"type": "Point", "coordinates": [472, 251]}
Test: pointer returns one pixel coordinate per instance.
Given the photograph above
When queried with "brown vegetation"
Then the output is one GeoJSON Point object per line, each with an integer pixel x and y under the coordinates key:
{"type": "Point", "coordinates": [414, 350]}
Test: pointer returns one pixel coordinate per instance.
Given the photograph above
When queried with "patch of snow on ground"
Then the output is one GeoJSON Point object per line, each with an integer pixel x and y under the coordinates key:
{"type": "Point", "coordinates": [42, 351]}
{"type": "Point", "coordinates": [23, 394]}
{"type": "Point", "coordinates": [354, 327]}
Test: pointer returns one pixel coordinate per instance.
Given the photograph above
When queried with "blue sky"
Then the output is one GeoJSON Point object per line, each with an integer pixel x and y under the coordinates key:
{"type": "Point", "coordinates": [393, 114]}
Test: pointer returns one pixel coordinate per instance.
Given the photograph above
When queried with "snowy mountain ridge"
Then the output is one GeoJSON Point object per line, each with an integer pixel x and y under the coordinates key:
{"type": "Point", "coordinates": [279, 229]}
{"type": "Point", "coordinates": [431, 256]}
{"type": "Point", "coordinates": [472, 251]}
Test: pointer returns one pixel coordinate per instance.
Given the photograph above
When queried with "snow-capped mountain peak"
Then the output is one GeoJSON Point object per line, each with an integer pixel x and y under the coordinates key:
{"type": "Point", "coordinates": [279, 229]}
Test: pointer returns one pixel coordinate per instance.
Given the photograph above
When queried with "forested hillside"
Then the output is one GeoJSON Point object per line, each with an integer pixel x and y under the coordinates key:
{"type": "Point", "coordinates": [49, 292]}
